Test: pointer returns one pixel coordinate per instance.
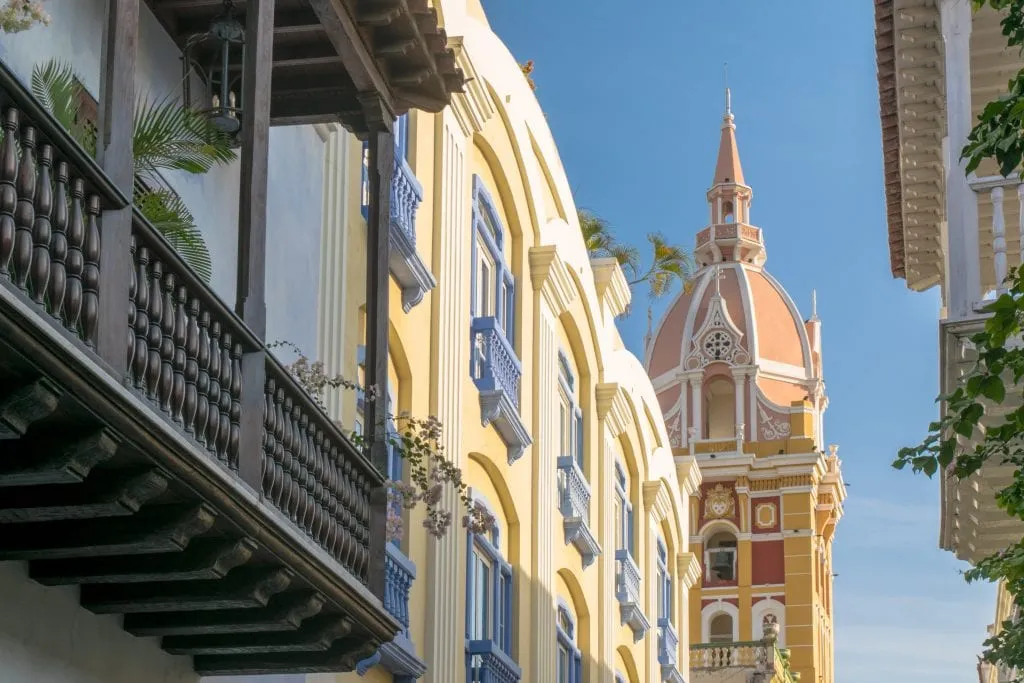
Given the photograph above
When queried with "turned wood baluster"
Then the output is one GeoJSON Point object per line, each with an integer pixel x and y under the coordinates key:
{"type": "Point", "coordinates": [39, 271]}
{"type": "Point", "coordinates": [235, 413]}
{"type": "Point", "coordinates": [288, 457]}
{"type": "Point", "coordinates": [299, 503]}
{"type": "Point", "coordinates": [319, 499]}
{"type": "Point", "coordinates": [364, 527]}
{"type": "Point", "coordinates": [24, 212]}
{"type": "Point", "coordinates": [58, 243]}
{"type": "Point", "coordinates": [203, 382]}
{"type": "Point", "coordinates": [306, 521]}
{"type": "Point", "coordinates": [269, 416]}
{"type": "Point", "coordinates": [155, 337]}
{"type": "Point", "coordinates": [141, 356]}
{"type": "Point", "coordinates": [224, 403]}
{"type": "Point", "coordinates": [279, 432]}
{"type": "Point", "coordinates": [167, 345]}
{"type": "Point", "coordinates": [213, 395]}
{"type": "Point", "coordinates": [295, 485]}
{"type": "Point", "coordinates": [349, 516]}
{"type": "Point", "coordinates": [91, 270]}
{"type": "Point", "coordinates": [188, 409]}
{"type": "Point", "coordinates": [180, 339]}
{"type": "Point", "coordinates": [75, 261]}
{"type": "Point", "coordinates": [332, 501]}
{"type": "Point", "coordinates": [133, 291]}
{"type": "Point", "coordinates": [8, 191]}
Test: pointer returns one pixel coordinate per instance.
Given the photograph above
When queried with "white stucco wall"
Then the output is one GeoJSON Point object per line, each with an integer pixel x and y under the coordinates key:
{"type": "Point", "coordinates": [294, 197]}
{"type": "Point", "coordinates": [47, 637]}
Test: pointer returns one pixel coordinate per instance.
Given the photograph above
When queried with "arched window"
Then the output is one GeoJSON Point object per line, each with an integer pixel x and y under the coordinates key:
{"type": "Point", "coordinates": [720, 404]}
{"type": "Point", "coordinates": [728, 213]}
{"type": "Point", "coordinates": [623, 512]}
{"type": "Point", "coordinates": [665, 599]}
{"type": "Point", "coordinates": [720, 630]}
{"type": "Point", "coordinates": [570, 417]}
{"type": "Point", "coordinates": [488, 603]}
{"type": "Point", "coordinates": [720, 559]}
{"type": "Point", "coordinates": [493, 287]}
{"type": "Point", "coordinates": [570, 662]}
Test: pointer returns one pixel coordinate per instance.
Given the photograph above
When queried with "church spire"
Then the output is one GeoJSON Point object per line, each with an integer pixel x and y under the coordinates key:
{"type": "Point", "coordinates": [730, 235]}
{"type": "Point", "coordinates": [728, 168]}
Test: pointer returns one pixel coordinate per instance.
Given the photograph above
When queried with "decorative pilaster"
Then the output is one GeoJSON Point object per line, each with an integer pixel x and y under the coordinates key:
{"type": "Point", "coordinates": [445, 580]}
{"type": "Point", "coordinates": [613, 417]}
{"type": "Point", "coordinates": [963, 278]}
{"type": "Point", "coordinates": [739, 376]}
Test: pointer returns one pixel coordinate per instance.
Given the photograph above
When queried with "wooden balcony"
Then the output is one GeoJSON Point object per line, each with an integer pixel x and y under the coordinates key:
{"type": "Point", "coordinates": [198, 490]}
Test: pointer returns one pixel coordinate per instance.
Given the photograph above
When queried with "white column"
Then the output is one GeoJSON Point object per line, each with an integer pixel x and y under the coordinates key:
{"type": "Point", "coordinates": [333, 263]}
{"type": "Point", "coordinates": [739, 378]}
{"type": "Point", "coordinates": [684, 421]}
{"type": "Point", "coordinates": [961, 204]}
{"type": "Point", "coordinates": [541, 666]}
{"type": "Point", "coordinates": [696, 386]}
{"type": "Point", "coordinates": [998, 238]}
{"type": "Point", "coordinates": [608, 604]}
{"type": "Point", "coordinates": [445, 574]}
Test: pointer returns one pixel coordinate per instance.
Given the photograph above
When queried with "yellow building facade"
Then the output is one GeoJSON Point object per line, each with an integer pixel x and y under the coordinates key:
{"type": "Point", "coordinates": [738, 373]}
{"type": "Point", "coordinates": [503, 327]}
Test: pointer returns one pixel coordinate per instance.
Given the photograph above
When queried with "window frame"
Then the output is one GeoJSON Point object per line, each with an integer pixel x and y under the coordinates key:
{"type": "Point", "coordinates": [666, 597]}
{"type": "Point", "coordinates": [566, 641]}
{"type": "Point", "coordinates": [499, 600]}
{"type": "Point", "coordinates": [574, 430]}
{"type": "Point", "coordinates": [489, 234]}
{"type": "Point", "coordinates": [624, 535]}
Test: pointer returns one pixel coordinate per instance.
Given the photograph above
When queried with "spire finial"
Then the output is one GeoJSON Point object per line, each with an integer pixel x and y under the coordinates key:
{"type": "Point", "coordinates": [814, 304]}
{"type": "Point", "coordinates": [650, 324]}
{"type": "Point", "coordinates": [718, 280]}
{"type": "Point", "coordinates": [728, 93]}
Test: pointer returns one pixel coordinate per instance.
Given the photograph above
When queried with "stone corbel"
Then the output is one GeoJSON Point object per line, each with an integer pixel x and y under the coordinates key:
{"type": "Point", "coordinates": [551, 277]}
{"type": "Point", "coordinates": [657, 500]}
{"type": "Point", "coordinates": [611, 284]}
{"type": "Point", "coordinates": [688, 567]}
{"type": "Point", "coordinates": [688, 474]}
{"type": "Point", "coordinates": [612, 408]}
{"type": "Point", "coordinates": [473, 108]}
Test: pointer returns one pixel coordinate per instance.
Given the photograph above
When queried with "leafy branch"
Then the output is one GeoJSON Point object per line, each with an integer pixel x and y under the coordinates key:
{"type": "Point", "coordinates": [419, 442]}
{"type": "Point", "coordinates": [669, 264]}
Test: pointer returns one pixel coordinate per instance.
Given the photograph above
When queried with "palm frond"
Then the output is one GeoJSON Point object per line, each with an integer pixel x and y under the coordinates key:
{"type": "Point", "coordinates": [627, 256]}
{"type": "Point", "coordinates": [58, 89]}
{"type": "Point", "coordinates": [669, 264]}
{"type": "Point", "coordinates": [171, 136]}
{"type": "Point", "coordinates": [168, 213]}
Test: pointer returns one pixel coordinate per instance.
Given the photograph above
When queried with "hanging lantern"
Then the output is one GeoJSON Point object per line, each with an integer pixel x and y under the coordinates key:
{"type": "Point", "coordinates": [215, 58]}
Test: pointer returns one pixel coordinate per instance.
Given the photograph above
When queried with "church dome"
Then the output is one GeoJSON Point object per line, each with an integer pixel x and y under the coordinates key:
{"type": "Point", "coordinates": [734, 343]}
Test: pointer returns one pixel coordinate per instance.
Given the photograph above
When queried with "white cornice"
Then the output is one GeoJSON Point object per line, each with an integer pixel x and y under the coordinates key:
{"type": "Point", "coordinates": [611, 404]}
{"type": "Point", "coordinates": [688, 567]}
{"type": "Point", "coordinates": [473, 108]}
{"type": "Point", "coordinates": [550, 276]}
{"type": "Point", "coordinates": [688, 473]}
{"type": "Point", "coordinates": [611, 284]}
{"type": "Point", "coordinates": [657, 500]}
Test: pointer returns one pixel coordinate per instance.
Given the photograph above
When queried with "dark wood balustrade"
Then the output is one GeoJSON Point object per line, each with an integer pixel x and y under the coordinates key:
{"type": "Point", "coordinates": [246, 515]}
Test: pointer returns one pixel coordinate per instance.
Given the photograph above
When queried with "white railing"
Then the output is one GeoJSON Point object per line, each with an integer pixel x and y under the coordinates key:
{"type": "Point", "coordinates": [995, 191]}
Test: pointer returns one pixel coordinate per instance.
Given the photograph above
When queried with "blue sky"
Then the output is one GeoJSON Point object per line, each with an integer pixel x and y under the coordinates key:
{"type": "Point", "coordinates": [635, 99]}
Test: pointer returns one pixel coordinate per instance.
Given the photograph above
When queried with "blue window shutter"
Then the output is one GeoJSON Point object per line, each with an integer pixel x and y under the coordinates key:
{"type": "Point", "coordinates": [629, 530]}
{"type": "Point", "coordinates": [510, 310]}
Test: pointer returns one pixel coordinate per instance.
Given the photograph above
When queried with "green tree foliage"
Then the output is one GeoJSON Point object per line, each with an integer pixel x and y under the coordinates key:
{"type": "Point", "coordinates": [668, 264]}
{"type": "Point", "coordinates": [956, 445]}
{"type": "Point", "coordinates": [166, 136]}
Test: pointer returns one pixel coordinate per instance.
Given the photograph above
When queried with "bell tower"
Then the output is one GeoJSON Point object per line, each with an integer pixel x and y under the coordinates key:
{"type": "Point", "coordinates": [738, 373]}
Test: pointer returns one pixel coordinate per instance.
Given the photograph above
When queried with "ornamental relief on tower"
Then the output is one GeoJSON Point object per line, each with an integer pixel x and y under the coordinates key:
{"type": "Point", "coordinates": [719, 503]}
{"type": "Point", "coordinates": [772, 424]}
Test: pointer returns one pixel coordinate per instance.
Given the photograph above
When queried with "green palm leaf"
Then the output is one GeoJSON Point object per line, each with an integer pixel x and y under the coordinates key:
{"type": "Point", "coordinates": [170, 136]}
{"type": "Point", "coordinates": [600, 242]}
{"type": "Point", "coordinates": [59, 90]}
{"type": "Point", "coordinates": [167, 212]}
